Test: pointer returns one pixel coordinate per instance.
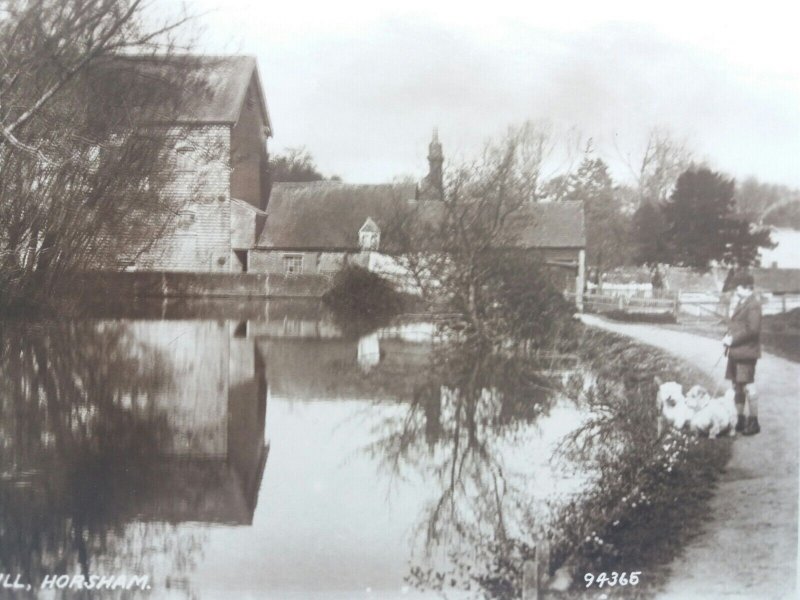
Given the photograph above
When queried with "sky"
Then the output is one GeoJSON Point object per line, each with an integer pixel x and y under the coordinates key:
{"type": "Point", "coordinates": [362, 85]}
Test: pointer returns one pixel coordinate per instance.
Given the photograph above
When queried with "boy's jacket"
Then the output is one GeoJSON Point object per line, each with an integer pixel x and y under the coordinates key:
{"type": "Point", "coordinates": [745, 330]}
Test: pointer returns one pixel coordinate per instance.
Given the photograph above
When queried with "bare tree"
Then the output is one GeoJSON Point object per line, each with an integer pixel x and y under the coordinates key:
{"type": "Point", "coordinates": [657, 169]}
{"type": "Point", "coordinates": [83, 161]}
{"type": "Point", "coordinates": [464, 251]}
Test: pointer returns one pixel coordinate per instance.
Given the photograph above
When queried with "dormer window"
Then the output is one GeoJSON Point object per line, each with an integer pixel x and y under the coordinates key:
{"type": "Point", "coordinates": [369, 236]}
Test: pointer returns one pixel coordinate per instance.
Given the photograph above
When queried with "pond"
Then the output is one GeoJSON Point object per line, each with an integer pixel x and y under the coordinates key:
{"type": "Point", "coordinates": [255, 450]}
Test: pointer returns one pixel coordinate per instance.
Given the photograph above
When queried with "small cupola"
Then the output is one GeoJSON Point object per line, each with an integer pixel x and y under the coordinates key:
{"type": "Point", "coordinates": [369, 236]}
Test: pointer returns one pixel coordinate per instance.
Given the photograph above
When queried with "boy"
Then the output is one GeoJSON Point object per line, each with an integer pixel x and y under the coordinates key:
{"type": "Point", "coordinates": [743, 347]}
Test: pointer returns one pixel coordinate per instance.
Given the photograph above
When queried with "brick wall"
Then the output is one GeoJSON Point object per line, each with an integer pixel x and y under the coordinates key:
{"type": "Point", "coordinates": [325, 263]}
{"type": "Point", "coordinates": [297, 286]}
{"type": "Point", "coordinates": [198, 237]}
{"type": "Point", "coordinates": [271, 261]}
{"type": "Point", "coordinates": [120, 285]}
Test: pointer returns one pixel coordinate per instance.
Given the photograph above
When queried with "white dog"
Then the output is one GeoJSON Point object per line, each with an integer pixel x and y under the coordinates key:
{"type": "Point", "coordinates": [711, 416]}
{"type": "Point", "coordinates": [671, 405]}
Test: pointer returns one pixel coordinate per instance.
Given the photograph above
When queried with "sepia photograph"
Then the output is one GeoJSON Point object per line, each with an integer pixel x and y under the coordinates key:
{"type": "Point", "coordinates": [399, 300]}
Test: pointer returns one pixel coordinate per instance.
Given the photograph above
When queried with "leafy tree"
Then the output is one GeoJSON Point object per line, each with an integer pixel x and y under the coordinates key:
{"type": "Point", "coordinates": [555, 189]}
{"type": "Point", "coordinates": [648, 233]}
{"type": "Point", "coordinates": [296, 164]}
{"type": "Point", "coordinates": [701, 224]}
{"type": "Point", "coordinates": [607, 227]}
{"type": "Point", "coordinates": [744, 242]}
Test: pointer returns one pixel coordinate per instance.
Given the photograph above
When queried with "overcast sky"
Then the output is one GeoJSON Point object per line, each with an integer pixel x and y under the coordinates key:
{"type": "Point", "coordinates": [362, 85]}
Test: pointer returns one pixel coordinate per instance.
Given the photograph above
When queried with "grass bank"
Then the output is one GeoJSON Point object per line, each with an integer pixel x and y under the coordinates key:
{"type": "Point", "coordinates": [651, 493]}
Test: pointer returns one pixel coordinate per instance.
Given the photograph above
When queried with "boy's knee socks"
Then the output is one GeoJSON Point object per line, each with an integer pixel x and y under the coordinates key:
{"type": "Point", "coordinates": [739, 398]}
{"type": "Point", "coordinates": [752, 403]}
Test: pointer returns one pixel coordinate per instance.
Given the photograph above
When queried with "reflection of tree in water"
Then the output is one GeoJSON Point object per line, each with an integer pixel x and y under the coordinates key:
{"type": "Point", "coordinates": [466, 410]}
{"type": "Point", "coordinates": [80, 443]}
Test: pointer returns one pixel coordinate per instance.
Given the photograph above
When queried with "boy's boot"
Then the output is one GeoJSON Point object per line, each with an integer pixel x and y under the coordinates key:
{"type": "Point", "coordinates": [740, 423]}
{"type": "Point", "coordinates": [751, 427]}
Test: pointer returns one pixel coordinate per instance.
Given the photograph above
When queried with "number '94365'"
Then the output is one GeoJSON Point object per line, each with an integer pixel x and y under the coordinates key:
{"type": "Point", "coordinates": [612, 579]}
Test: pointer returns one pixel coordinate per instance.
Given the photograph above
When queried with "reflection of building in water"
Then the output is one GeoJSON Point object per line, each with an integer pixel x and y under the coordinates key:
{"type": "Point", "coordinates": [369, 351]}
{"type": "Point", "coordinates": [307, 355]}
{"type": "Point", "coordinates": [215, 406]}
{"type": "Point", "coordinates": [332, 369]}
{"type": "Point", "coordinates": [296, 318]}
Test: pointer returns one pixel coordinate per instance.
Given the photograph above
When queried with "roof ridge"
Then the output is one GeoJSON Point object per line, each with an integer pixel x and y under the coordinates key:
{"type": "Point", "coordinates": [332, 183]}
{"type": "Point", "coordinates": [225, 80]}
{"type": "Point", "coordinates": [182, 55]}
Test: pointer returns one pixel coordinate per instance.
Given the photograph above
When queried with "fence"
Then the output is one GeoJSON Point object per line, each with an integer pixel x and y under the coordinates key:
{"type": "Point", "coordinates": [606, 303]}
{"type": "Point", "coordinates": [715, 306]}
{"type": "Point", "coordinates": [686, 305]}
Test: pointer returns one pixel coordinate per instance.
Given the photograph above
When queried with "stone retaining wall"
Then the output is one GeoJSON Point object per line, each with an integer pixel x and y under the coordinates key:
{"type": "Point", "coordinates": [165, 284]}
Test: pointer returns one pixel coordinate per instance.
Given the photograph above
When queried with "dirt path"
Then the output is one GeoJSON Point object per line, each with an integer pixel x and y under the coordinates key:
{"type": "Point", "coordinates": [748, 547]}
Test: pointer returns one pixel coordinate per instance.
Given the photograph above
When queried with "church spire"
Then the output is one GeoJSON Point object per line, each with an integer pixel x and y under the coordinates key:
{"type": "Point", "coordinates": [435, 164]}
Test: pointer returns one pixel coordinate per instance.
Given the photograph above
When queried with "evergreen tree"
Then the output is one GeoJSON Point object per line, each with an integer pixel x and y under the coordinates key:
{"type": "Point", "coordinates": [648, 233]}
{"type": "Point", "coordinates": [702, 226]}
{"type": "Point", "coordinates": [607, 227]}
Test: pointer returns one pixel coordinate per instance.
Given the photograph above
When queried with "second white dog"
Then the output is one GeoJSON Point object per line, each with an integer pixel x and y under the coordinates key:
{"type": "Point", "coordinates": [711, 416]}
{"type": "Point", "coordinates": [671, 405]}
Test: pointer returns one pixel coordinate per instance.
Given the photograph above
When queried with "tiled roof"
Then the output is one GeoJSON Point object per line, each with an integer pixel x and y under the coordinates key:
{"type": "Point", "coordinates": [548, 225]}
{"type": "Point", "coordinates": [214, 87]}
{"type": "Point", "coordinates": [328, 215]}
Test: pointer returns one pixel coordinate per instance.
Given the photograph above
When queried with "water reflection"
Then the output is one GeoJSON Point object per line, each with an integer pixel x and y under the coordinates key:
{"type": "Point", "coordinates": [481, 433]}
{"type": "Point", "coordinates": [105, 424]}
{"type": "Point", "coordinates": [140, 443]}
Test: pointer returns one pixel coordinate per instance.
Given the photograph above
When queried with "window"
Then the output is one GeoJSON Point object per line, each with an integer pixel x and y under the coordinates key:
{"type": "Point", "coordinates": [293, 264]}
{"type": "Point", "coordinates": [369, 240]}
{"type": "Point", "coordinates": [186, 218]}
{"type": "Point", "coordinates": [369, 236]}
{"type": "Point", "coordinates": [185, 157]}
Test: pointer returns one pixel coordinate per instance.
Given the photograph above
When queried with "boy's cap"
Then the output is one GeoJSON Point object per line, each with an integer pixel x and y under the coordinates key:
{"type": "Point", "coordinates": [742, 279]}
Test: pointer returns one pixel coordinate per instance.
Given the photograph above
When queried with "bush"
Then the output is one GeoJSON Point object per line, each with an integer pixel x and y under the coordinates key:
{"type": "Point", "coordinates": [362, 300]}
